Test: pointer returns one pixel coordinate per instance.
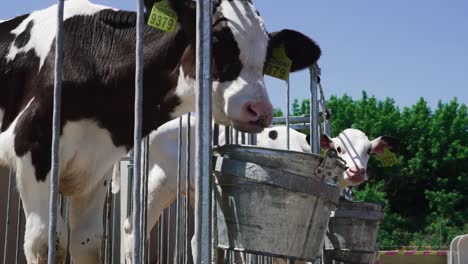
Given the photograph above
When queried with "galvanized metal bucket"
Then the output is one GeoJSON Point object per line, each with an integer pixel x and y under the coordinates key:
{"type": "Point", "coordinates": [274, 202]}
{"type": "Point", "coordinates": [352, 232]}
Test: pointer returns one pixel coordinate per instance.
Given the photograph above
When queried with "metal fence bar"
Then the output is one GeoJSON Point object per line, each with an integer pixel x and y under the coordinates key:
{"type": "Point", "coordinates": [315, 146]}
{"type": "Point", "coordinates": [7, 216]}
{"type": "Point", "coordinates": [168, 226]}
{"type": "Point", "coordinates": [107, 225]}
{"type": "Point", "coordinates": [18, 230]}
{"type": "Point", "coordinates": [288, 96]}
{"type": "Point", "coordinates": [179, 193]}
{"type": "Point", "coordinates": [292, 119]}
{"type": "Point", "coordinates": [202, 252]}
{"type": "Point", "coordinates": [187, 189]}
{"type": "Point", "coordinates": [55, 135]}
{"type": "Point", "coordinates": [227, 135]}
{"type": "Point", "coordinates": [161, 238]}
{"type": "Point", "coordinates": [115, 225]}
{"type": "Point", "coordinates": [64, 212]}
{"type": "Point", "coordinates": [144, 197]}
{"type": "Point", "coordinates": [137, 172]}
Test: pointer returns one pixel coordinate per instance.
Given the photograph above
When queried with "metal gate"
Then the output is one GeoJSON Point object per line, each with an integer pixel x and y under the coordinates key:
{"type": "Point", "coordinates": [170, 241]}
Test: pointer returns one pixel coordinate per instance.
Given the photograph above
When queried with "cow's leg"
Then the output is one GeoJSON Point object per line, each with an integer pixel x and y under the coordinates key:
{"type": "Point", "coordinates": [86, 224]}
{"type": "Point", "coordinates": [35, 196]}
{"type": "Point", "coordinates": [161, 193]}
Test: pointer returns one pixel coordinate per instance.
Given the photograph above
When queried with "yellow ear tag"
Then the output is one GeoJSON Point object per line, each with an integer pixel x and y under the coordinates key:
{"type": "Point", "coordinates": [163, 17]}
{"type": "Point", "coordinates": [388, 158]}
{"type": "Point", "coordinates": [323, 151]}
{"type": "Point", "coordinates": [278, 64]}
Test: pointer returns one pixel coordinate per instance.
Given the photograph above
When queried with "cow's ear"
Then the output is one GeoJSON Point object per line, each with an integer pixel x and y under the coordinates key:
{"type": "Point", "coordinates": [302, 50]}
{"type": "Point", "coordinates": [381, 143]}
{"type": "Point", "coordinates": [326, 142]}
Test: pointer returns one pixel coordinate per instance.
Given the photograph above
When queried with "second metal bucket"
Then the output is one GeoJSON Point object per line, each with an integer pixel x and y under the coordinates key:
{"type": "Point", "coordinates": [274, 202]}
{"type": "Point", "coordinates": [352, 233]}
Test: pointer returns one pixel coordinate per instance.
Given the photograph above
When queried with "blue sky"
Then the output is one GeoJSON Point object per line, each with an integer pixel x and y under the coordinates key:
{"type": "Point", "coordinates": [400, 49]}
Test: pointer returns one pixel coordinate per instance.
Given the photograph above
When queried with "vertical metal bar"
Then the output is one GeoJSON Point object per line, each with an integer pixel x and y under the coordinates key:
{"type": "Point", "coordinates": [18, 230]}
{"type": "Point", "coordinates": [182, 232]}
{"type": "Point", "coordinates": [227, 135]}
{"type": "Point", "coordinates": [187, 187]}
{"type": "Point", "coordinates": [130, 184]}
{"type": "Point", "coordinates": [114, 224]}
{"type": "Point", "coordinates": [288, 96]}
{"type": "Point", "coordinates": [315, 146]}
{"type": "Point", "coordinates": [7, 215]}
{"type": "Point", "coordinates": [179, 193]}
{"type": "Point", "coordinates": [215, 135]}
{"type": "Point", "coordinates": [214, 226]}
{"type": "Point", "coordinates": [161, 238]}
{"type": "Point", "coordinates": [157, 240]}
{"type": "Point", "coordinates": [236, 137]}
{"type": "Point", "coordinates": [144, 190]}
{"type": "Point", "coordinates": [253, 139]}
{"type": "Point", "coordinates": [55, 135]}
{"type": "Point", "coordinates": [325, 110]}
{"type": "Point", "coordinates": [107, 225]}
{"type": "Point", "coordinates": [64, 208]}
{"type": "Point", "coordinates": [168, 226]}
{"type": "Point", "coordinates": [137, 135]}
{"type": "Point", "coordinates": [203, 127]}
{"type": "Point", "coordinates": [103, 260]}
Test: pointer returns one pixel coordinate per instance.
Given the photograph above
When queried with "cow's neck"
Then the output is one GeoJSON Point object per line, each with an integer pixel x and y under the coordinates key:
{"type": "Point", "coordinates": [162, 78]}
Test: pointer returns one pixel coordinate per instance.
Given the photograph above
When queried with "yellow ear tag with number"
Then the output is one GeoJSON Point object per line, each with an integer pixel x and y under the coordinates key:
{"type": "Point", "coordinates": [278, 65]}
{"type": "Point", "coordinates": [163, 17]}
{"type": "Point", "coordinates": [388, 158]}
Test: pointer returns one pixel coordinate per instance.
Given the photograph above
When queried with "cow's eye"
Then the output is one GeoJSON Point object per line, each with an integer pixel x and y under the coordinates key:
{"type": "Point", "coordinates": [369, 151]}
{"type": "Point", "coordinates": [338, 149]}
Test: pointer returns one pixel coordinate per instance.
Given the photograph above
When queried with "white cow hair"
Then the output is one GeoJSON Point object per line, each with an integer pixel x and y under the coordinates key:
{"type": "Point", "coordinates": [7, 140]}
{"type": "Point", "coordinates": [78, 151]}
{"type": "Point", "coordinates": [44, 28]}
{"type": "Point", "coordinates": [251, 35]}
{"type": "Point", "coordinates": [186, 92]}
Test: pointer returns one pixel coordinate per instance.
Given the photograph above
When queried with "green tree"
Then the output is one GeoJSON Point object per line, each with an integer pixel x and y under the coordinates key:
{"type": "Point", "coordinates": [426, 194]}
{"type": "Point", "coordinates": [296, 109]}
{"type": "Point", "coordinates": [305, 107]}
{"type": "Point", "coordinates": [277, 112]}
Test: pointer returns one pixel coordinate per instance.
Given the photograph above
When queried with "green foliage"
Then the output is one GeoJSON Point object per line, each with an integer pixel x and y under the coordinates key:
{"type": "Point", "coordinates": [296, 109]}
{"type": "Point", "coordinates": [426, 194]}
{"type": "Point", "coordinates": [277, 112]}
{"type": "Point", "coordinates": [300, 109]}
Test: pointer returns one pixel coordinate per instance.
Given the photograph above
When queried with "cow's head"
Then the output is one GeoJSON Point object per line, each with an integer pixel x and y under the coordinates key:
{"type": "Point", "coordinates": [355, 148]}
{"type": "Point", "coordinates": [241, 46]}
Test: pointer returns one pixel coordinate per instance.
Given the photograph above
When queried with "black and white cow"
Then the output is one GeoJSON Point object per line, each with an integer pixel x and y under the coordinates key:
{"type": "Point", "coordinates": [98, 95]}
{"type": "Point", "coordinates": [352, 145]}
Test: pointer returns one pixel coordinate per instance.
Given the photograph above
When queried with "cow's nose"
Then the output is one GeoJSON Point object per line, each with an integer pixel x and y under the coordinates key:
{"type": "Point", "coordinates": [357, 174]}
{"type": "Point", "coordinates": [258, 112]}
{"type": "Point", "coordinates": [357, 171]}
